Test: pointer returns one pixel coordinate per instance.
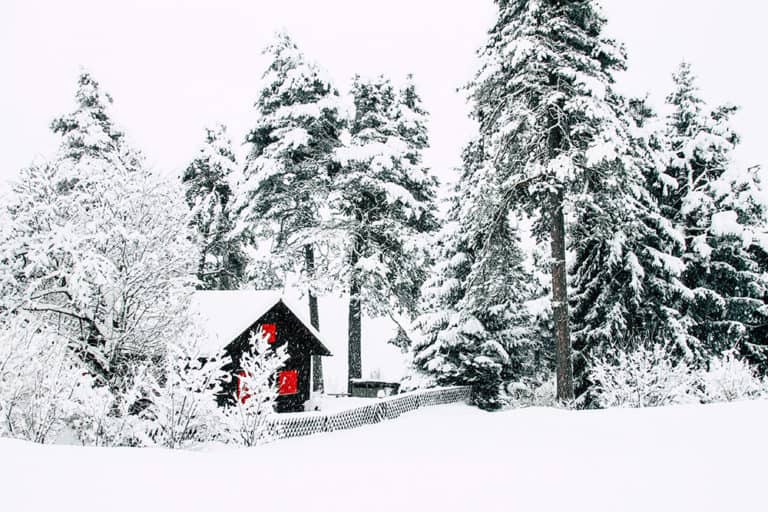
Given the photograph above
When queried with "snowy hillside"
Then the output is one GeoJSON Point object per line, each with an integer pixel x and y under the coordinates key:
{"type": "Point", "coordinates": [702, 458]}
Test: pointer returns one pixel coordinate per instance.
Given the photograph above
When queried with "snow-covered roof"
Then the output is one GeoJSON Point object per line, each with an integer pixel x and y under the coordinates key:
{"type": "Point", "coordinates": [224, 315]}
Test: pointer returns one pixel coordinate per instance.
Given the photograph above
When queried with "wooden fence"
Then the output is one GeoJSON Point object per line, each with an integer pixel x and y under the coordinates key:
{"type": "Point", "coordinates": [307, 423]}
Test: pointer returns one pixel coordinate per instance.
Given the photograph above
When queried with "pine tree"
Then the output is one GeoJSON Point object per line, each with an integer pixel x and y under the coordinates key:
{"type": "Point", "coordinates": [474, 326]}
{"type": "Point", "coordinates": [627, 267]}
{"type": "Point", "coordinates": [286, 180]}
{"type": "Point", "coordinates": [208, 194]}
{"type": "Point", "coordinates": [723, 219]}
{"type": "Point", "coordinates": [385, 196]}
{"type": "Point", "coordinates": [541, 98]}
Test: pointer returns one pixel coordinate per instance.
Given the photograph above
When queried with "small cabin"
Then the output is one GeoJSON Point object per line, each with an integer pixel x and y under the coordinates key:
{"type": "Point", "coordinates": [230, 317]}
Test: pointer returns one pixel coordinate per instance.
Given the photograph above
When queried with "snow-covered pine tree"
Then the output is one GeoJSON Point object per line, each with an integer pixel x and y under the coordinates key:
{"type": "Point", "coordinates": [287, 174]}
{"type": "Point", "coordinates": [627, 267]}
{"type": "Point", "coordinates": [541, 99]}
{"type": "Point", "coordinates": [474, 327]}
{"type": "Point", "coordinates": [208, 193]}
{"type": "Point", "coordinates": [721, 213]}
{"type": "Point", "coordinates": [97, 247]}
{"type": "Point", "coordinates": [386, 199]}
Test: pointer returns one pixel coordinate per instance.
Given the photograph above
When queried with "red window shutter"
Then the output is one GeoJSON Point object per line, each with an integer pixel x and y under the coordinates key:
{"type": "Point", "coordinates": [271, 331]}
{"type": "Point", "coordinates": [288, 382]}
{"type": "Point", "coordinates": [242, 389]}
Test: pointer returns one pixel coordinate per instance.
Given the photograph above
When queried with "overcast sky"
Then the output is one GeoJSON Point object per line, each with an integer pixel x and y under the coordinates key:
{"type": "Point", "coordinates": [175, 66]}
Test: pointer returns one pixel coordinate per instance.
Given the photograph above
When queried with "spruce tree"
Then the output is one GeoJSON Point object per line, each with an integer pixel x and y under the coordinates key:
{"type": "Point", "coordinates": [385, 196]}
{"type": "Point", "coordinates": [541, 99]}
{"type": "Point", "coordinates": [474, 327]}
{"type": "Point", "coordinates": [719, 210]}
{"type": "Point", "coordinates": [286, 180]}
{"type": "Point", "coordinates": [627, 267]}
{"type": "Point", "coordinates": [208, 193]}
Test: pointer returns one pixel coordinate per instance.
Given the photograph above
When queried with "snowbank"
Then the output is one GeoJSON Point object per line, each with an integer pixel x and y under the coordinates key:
{"type": "Point", "coordinates": [455, 457]}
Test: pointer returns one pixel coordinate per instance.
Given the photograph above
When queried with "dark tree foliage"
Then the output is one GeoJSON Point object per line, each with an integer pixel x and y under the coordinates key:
{"type": "Point", "coordinates": [208, 193]}
{"type": "Point", "coordinates": [542, 99]}
{"type": "Point", "coordinates": [386, 201]}
{"type": "Point", "coordinates": [475, 329]}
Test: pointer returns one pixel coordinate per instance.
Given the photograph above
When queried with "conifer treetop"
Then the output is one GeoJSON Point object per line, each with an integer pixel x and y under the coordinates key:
{"type": "Point", "coordinates": [89, 129]}
{"type": "Point", "coordinates": [546, 71]}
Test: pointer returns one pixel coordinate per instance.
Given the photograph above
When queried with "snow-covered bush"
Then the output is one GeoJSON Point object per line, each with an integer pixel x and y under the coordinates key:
{"type": "Point", "coordinates": [182, 409]}
{"type": "Point", "coordinates": [44, 387]}
{"type": "Point", "coordinates": [644, 377]}
{"type": "Point", "coordinates": [247, 421]}
{"type": "Point", "coordinates": [647, 377]}
{"type": "Point", "coordinates": [109, 418]}
{"type": "Point", "coordinates": [539, 391]}
{"type": "Point", "coordinates": [730, 378]}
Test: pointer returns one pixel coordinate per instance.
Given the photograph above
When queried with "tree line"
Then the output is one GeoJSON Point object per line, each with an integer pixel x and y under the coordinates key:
{"type": "Point", "coordinates": [584, 229]}
{"type": "Point", "coordinates": [656, 238]}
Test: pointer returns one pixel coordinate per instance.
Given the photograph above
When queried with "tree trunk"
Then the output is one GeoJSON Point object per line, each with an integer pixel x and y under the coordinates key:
{"type": "Point", "coordinates": [354, 362]}
{"type": "Point", "coordinates": [314, 319]}
{"type": "Point", "coordinates": [563, 356]}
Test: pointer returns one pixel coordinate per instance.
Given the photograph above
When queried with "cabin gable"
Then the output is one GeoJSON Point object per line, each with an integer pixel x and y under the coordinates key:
{"type": "Point", "coordinates": [294, 379]}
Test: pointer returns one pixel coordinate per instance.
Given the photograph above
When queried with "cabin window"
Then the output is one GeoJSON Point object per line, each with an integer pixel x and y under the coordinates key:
{"type": "Point", "coordinates": [271, 331]}
{"type": "Point", "coordinates": [288, 382]}
{"type": "Point", "coordinates": [242, 388]}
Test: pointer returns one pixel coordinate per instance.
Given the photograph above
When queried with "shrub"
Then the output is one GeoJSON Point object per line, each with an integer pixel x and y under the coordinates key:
{"type": "Point", "coordinates": [247, 422]}
{"type": "Point", "coordinates": [729, 378]}
{"type": "Point", "coordinates": [539, 391]}
{"type": "Point", "coordinates": [645, 377]}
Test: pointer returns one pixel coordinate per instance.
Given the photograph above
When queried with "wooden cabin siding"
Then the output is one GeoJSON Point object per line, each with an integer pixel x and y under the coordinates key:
{"type": "Point", "coordinates": [300, 340]}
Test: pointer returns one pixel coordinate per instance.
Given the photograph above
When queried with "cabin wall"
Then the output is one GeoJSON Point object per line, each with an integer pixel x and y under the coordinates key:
{"type": "Point", "coordinates": [289, 330]}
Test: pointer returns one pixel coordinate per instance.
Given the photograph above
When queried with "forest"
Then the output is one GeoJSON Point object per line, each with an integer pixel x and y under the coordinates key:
{"type": "Point", "coordinates": [593, 253]}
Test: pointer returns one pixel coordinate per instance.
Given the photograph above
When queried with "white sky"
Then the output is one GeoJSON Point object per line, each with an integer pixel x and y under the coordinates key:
{"type": "Point", "coordinates": [175, 66]}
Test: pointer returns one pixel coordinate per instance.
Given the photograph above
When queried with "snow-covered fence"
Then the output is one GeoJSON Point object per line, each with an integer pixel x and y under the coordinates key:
{"type": "Point", "coordinates": [308, 423]}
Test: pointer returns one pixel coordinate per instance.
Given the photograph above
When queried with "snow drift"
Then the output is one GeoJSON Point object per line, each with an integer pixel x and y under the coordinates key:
{"type": "Point", "coordinates": [455, 457]}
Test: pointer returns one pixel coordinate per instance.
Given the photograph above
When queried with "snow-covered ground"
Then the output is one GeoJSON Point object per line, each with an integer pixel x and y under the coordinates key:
{"type": "Point", "coordinates": [329, 404]}
{"type": "Point", "coordinates": [698, 458]}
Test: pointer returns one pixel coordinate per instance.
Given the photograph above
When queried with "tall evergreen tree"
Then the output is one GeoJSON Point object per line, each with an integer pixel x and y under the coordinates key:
{"type": "Point", "coordinates": [721, 213]}
{"type": "Point", "coordinates": [541, 98]}
{"type": "Point", "coordinates": [474, 327]}
{"type": "Point", "coordinates": [627, 268]}
{"type": "Point", "coordinates": [208, 193]}
{"type": "Point", "coordinates": [287, 174]}
{"type": "Point", "coordinates": [385, 196]}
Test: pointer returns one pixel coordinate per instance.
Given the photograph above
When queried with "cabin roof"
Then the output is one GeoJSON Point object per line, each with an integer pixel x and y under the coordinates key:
{"type": "Point", "coordinates": [225, 315]}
